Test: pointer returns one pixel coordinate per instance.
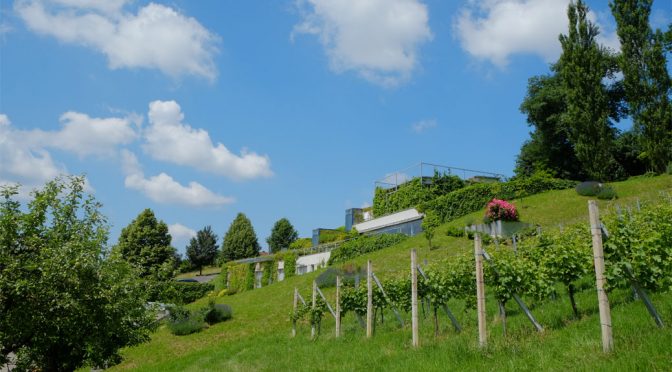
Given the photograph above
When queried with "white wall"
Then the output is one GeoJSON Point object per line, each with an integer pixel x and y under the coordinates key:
{"type": "Point", "coordinates": [313, 261]}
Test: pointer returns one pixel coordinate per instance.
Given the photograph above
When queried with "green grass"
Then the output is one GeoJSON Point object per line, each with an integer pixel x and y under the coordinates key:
{"type": "Point", "coordinates": [258, 336]}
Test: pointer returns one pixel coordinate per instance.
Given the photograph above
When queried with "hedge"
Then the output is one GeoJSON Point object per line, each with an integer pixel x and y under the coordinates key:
{"type": "Point", "coordinates": [186, 292]}
{"type": "Point", "coordinates": [413, 192]}
{"type": "Point", "coordinates": [473, 198]}
{"type": "Point", "coordinates": [364, 244]}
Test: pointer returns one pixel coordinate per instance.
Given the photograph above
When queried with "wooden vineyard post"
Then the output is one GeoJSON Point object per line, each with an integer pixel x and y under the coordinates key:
{"type": "Point", "coordinates": [369, 301]}
{"type": "Point", "coordinates": [598, 256]}
{"type": "Point", "coordinates": [338, 306]}
{"type": "Point", "coordinates": [480, 292]}
{"type": "Point", "coordinates": [296, 303]}
{"type": "Point", "coordinates": [314, 304]}
{"type": "Point", "coordinates": [414, 298]}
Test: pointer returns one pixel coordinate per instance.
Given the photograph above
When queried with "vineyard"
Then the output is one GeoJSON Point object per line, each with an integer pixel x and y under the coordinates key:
{"type": "Point", "coordinates": [551, 272]}
{"type": "Point", "coordinates": [638, 255]}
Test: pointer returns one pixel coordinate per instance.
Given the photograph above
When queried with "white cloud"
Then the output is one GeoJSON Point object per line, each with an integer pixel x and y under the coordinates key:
{"type": "Point", "coordinates": [423, 125]}
{"type": "Point", "coordinates": [21, 161]}
{"type": "Point", "coordinates": [180, 232]}
{"type": "Point", "coordinates": [167, 138]}
{"type": "Point", "coordinates": [164, 189]}
{"type": "Point", "coordinates": [378, 39]}
{"type": "Point", "coordinates": [494, 30]}
{"type": "Point", "coordinates": [156, 37]}
{"type": "Point", "coordinates": [84, 135]}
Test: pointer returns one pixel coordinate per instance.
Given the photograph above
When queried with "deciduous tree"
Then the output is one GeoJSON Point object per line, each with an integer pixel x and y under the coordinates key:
{"type": "Point", "coordinates": [282, 236]}
{"type": "Point", "coordinates": [203, 248]}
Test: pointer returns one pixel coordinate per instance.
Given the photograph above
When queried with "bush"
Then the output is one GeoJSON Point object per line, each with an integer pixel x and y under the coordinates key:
{"type": "Point", "coordinates": [216, 313]}
{"type": "Point", "coordinates": [472, 198]}
{"type": "Point", "coordinates": [183, 322]}
{"type": "Point", "coordinates": [186, 292]}
{"type": "Point", "coordinates": [669, 168]}
{"type": "Point", "coordinates": [607, 193]}
{"type": "Point", "coordinates": [364, 244]}
{"type": "Point", "coordinates": [455, 232]}
{"type": "Point", "coordinates": [413, 192]}
{"type": "Point", "coordinates": [301, 243]}
{"type": "Point", "coordinates": [500, 210]}
{"type": "Point", "coordinates": [588, 188]}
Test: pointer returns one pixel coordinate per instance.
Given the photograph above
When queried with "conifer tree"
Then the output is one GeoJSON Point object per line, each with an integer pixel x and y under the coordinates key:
{"type": "Point", "coordinates": [240, 240]}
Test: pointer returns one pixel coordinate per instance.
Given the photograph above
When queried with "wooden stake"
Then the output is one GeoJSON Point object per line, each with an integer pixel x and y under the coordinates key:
{"type": "Point", "coordinates": [312, 326]}
{"type": "Point", "coordinates": [369, 302]}
{"type": "Point", "coordinates": [480, 292]}
{"type": "Point", "coordinates": [598, 256]}
{"type": "Point", "coordinates": [338, 306]}
{"type": "Point", "coordinates": [296, 303]}
{"type": "Point", "coordinates": [414, 298]}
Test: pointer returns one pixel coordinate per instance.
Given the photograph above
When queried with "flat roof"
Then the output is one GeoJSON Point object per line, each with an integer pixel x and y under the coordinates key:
{"type": "Point", "coordinates": [389, 220]}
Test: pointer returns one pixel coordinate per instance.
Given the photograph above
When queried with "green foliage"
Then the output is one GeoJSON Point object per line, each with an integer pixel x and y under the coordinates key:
{"type": "Point", "coordinates": [429, 224]}
{"type": "Point", "coordinates": [588, 188]}
{"type": "Point", "coordinates": [202, 249]}
{"type": "Point", "coordinates": [363, 244]}
{"type": "Point", "coordinates": [145, 243]}
{"type": "Point", "coordinates": [549, 148]}
{"type": "Point", "coordinates": [301, 243]}
{"type": "Point", "coordinates": [329, 236]}
{"type": "Point", "coordinates": [240, 240]}
{"type": "Point", "coordinates": [186, 292]}
{"type": "Point", "coordinates": [327, 278]}
{"type": "Point", "coordinates": [267, 275]}
{"type": "Point", "coordinates": [184, 322]}
{"type": "Point", "coordinates": [414, 192]}
{"type": "Point", "coordinates": [216, 313]}
{"type": "Point", "coordinates": [583, 68]}
{"type": "Point", "coordinates": [669, 168]}
{"type": "Point", "coordinates": [455, 232]}
{"type": "Point", "coordinates": [607, 193]}
{"type": "Point", "coordinates": [472, 198]}
{"type": "Point", "coordinates": [646, 81]}
{"type": "Point", "coordinates": [65, 301]}
{"type": "Point", "coordinates": [282, 236]}
{"type": "Point", "coordinates": [240, 276]}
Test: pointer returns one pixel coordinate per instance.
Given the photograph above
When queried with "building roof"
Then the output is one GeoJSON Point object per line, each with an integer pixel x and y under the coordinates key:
{"type": "Point", "coordinates": [389, 220]}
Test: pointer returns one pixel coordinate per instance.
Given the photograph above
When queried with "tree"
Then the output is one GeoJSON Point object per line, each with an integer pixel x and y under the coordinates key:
{"type": "Point", "coordinates": [65, 301]}
{"type": "Point", "coordinates": [282, 235]}
{"type": "Point", "coordinates": [145, 243]}
{"type": "Point", "coordinates": [429, 224]}
{"type": "Point", "coordinates": [240, 241]}
{"type": "Point", "coordinates": [583, 67]}
{"type": "Point", "coordinates": [549, 148]}
{"type": "Point", "coordinates": [646, 80]}
{"type": "Point", "coordinates": [202, 249]}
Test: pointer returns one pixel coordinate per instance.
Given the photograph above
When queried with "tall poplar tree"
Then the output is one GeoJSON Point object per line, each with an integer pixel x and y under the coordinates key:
{"type": "Point", "coordinates": [646, 79]}
{"type": "Point", "coordinates": [583, 67]}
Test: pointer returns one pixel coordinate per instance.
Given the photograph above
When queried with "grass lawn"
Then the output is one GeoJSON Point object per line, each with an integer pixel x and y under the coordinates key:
{"type": "Point", "coordinates": [258, 336]}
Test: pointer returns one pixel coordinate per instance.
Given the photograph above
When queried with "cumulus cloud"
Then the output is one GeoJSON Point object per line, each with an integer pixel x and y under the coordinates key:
{"type": "Point", "coordinates": [180, 232]}
{"type": "Point", "coordinates": [84, 135]}
{"type": "Point", "coordinates": [423, 125]}
{"type": "Point", "coordinates": [378, 39]}
{"type": "Point", "coordinates": [494, 30]}
{"type": "Point", "coordinates": [21, 161]}
{"type": "Point", "coordinates": [156, 36]}
{"type": "Point", "coordinates": [164, 189]}
{"type": "Point", "coordinates": [167, 138]}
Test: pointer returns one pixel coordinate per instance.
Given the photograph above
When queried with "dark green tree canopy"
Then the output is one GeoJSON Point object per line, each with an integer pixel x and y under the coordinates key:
{"type": "Point", "coordinates": [64, 300]}
{"type": "Point", "coordinates": [145, 243]}
{"type": "Point", "coordinates": [282, 236]}
{"type": "Point", "coordinates": [240, 240]}
{"type": "Point", "coordinates": [203, 248]}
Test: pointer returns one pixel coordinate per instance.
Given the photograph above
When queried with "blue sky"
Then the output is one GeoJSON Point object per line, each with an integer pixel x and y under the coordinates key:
{"type": "Point", "coordinates": [203, 109]}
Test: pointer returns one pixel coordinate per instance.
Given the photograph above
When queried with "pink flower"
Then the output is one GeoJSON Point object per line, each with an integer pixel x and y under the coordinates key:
{"type": "Point", "coordinates": [498, 209]}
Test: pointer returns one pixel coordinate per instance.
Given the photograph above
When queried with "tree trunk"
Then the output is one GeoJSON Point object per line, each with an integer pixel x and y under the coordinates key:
{"type": "Point", "coordinates": [200, 271]}
{"type": "Point", "coordinates": [570, 290]}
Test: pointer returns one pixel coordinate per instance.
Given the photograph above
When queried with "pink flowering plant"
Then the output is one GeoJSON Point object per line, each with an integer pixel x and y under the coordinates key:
{"type": "Point", "coordinates": [498, 209]}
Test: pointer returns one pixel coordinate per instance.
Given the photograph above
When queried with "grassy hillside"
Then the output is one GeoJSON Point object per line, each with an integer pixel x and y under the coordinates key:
{"type": "Point", "coordinates": [258, 337]}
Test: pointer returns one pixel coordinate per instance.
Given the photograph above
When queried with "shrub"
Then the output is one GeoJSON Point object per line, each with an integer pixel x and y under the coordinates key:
{"type": "Point", "coordinates": [183, 322]}
{"type": "Point", "coordinates": [472, 198]}
{"type": "Point", "coordinates": [187, 292]}
{"type": "Point", "coordinates": [607, 193]}
{"type": "Point", "coordinates": [669, 168]}
{"type": "Point", "coordinates": [301, 243]}
{"type": "Point", "coordinates": [455, 232]}
{"type": "Point", "coordinates": [413, 192]}
{"type": "Point", "coordinates": [499, 209]}
{"type": "Point", "coordinates": [216, 313]}
{"type": "Point", "coordinates": [588, 188]}
{"type": "Point", "coordinates": [364, 244]}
